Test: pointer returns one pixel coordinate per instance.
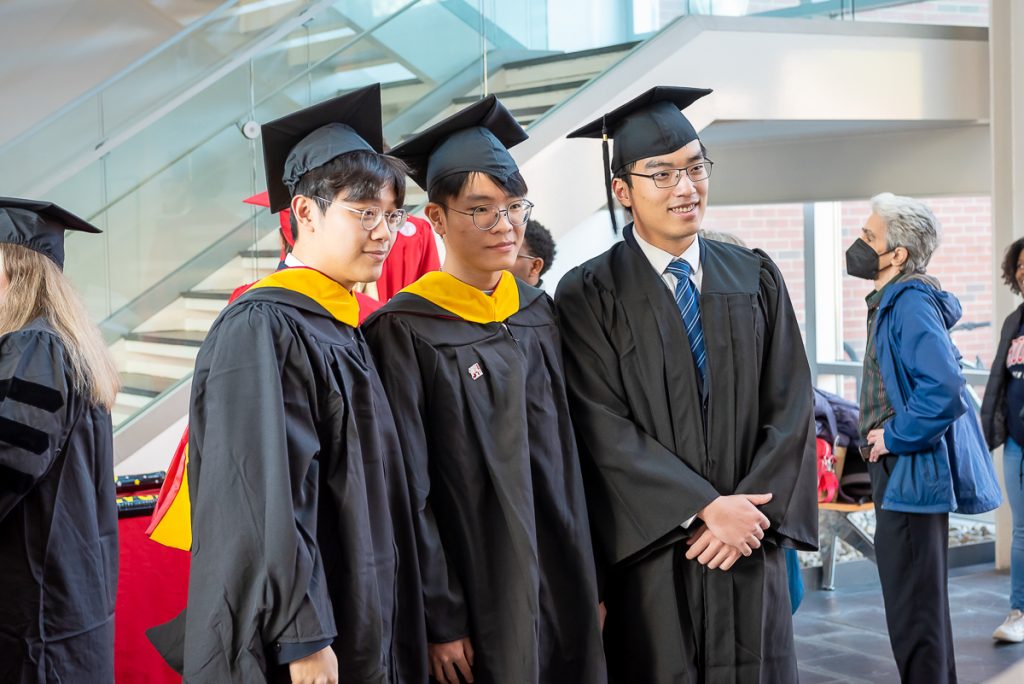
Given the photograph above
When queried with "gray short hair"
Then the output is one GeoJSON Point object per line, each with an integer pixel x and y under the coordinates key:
{"type": "Point", "coordinates": [910, 224]}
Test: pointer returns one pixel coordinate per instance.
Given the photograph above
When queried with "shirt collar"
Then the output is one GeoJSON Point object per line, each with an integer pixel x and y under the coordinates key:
{"type": "Point", "coordinates": [875, 298]}
{"type": "Point", "coordinates": [660, 259]}
{"type": "Point", "coordinates": [292, 261]}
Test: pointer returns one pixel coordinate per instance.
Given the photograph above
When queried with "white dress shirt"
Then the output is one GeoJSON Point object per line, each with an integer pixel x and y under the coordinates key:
{"type": "Point", "coordinates": [660, 260]}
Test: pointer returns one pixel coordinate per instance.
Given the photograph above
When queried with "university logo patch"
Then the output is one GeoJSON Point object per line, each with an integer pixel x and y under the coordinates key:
{"type": "Point", "coordinates": [475, 371]}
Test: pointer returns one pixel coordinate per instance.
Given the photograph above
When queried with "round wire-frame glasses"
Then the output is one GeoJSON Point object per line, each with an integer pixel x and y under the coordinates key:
{"type": "Point", "coordinates": [487, 216]}
{"type": "Point", "coordinates": [369, 218]}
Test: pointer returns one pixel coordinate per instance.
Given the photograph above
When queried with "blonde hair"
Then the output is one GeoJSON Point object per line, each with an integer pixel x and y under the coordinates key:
{"type": "Point", "coordinates": [36, 288]}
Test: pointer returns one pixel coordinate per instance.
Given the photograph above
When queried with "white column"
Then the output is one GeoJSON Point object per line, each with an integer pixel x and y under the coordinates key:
{"type": "Point", "coordinates": [1006, 60]}
{"type": "Point", "coordinates": [828, 291]}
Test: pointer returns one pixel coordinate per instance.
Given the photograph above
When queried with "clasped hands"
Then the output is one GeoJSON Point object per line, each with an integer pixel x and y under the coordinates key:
{"type": "Point", "coordinates": [732, 527]}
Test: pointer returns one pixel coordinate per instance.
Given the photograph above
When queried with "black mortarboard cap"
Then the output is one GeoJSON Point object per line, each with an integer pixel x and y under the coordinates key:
{"type": "Point", "coordinates": [646, 126]}
{"type": "Point", "coordinates": [476, 138]}
{"type": "Point", "coordinates": [39, 226]}
{"type": "Point", "coordinates": [305, 140]}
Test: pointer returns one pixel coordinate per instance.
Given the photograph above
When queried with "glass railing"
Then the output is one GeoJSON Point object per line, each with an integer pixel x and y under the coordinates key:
{"type": "Point", "coordinates": [58, 147]}
{"type": "Point", "coordinates": [169, 191]}
{"type": "Point", "coordinates": [168, 185]}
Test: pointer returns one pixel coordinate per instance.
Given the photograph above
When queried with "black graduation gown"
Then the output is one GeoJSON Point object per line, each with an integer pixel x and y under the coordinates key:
{"type": "Point", "coordinates": [649, 463]}
{"type": "Point", "coordinates": [58, 518]}
{"type": "Point", "coordinates": [301, 531]}
{"type": "Point", "coordinates": [505, 548]}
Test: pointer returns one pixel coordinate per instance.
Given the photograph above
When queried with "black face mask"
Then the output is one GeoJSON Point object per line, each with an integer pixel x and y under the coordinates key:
{"type": "Point", "coordinates": [862, 260]}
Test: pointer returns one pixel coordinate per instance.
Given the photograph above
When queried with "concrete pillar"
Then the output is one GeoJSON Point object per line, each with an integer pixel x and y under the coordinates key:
{"type": "Point", "coordinates": [1006, 60]}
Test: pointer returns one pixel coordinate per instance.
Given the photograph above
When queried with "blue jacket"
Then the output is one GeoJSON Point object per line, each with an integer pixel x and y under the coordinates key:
{"type": "Point", "coordinates": [943, 463]}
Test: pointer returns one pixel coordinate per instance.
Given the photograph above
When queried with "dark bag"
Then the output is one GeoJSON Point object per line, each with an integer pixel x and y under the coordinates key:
{"type": "Point", "coordinates": [837, 421]}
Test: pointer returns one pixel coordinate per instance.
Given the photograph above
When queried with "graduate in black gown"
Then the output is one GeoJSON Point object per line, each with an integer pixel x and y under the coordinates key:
{"type": "Point", "coordinates": [471, 362]}
{"type": "Point", "coordinates": [58, 516]}
{"type": "Point", "coordinates": [697, 448]}
{"type": "Point", "coordinates": [302, 542]}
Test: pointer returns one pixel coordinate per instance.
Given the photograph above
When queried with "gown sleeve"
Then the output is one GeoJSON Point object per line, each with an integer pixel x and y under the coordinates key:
{"type": "Point", "coordinates": [257, 589]}
{"type": "Point", "coordinates": [784, 463]}
{"type": "Point", "coordinates": [403, 373]}
{"type": "Point", "coordinates": [638, 491]}
{"type": "Point", "coordinates": [33, 415]}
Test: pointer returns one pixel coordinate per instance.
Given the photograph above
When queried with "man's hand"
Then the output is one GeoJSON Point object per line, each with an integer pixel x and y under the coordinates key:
{"type": "Point", "coordinates": [446, 658]}
{"type": "Point", "coordinates": [735, 520]}
{"type": "Point", "coordinates": [876, 438]}
{"type": "Point", "coordinates": [317, 668]}
{"type": "Point", "coordinates": [711, 551]}
{"type": "Point", "coordinates": [602, 613]}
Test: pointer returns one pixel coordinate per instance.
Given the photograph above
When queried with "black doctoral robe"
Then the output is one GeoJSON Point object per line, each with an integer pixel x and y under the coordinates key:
{"type": "Point", "coordinates": [58, 518]}
{"type": "Point", "coordinates": [650, 465]}
{"type": "Point", "coordinates": [301, 530]}
{"type": "Point", "coordinates": [505, 553]}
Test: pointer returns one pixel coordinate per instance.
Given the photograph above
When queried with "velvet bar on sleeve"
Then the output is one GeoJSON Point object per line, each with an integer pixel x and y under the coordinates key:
{"type": "Point", "coordinates": [58, 518]}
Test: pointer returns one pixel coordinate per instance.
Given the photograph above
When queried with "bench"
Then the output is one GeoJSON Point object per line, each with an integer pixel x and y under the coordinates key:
{"type": "Point", "coordinates": [834, 524]}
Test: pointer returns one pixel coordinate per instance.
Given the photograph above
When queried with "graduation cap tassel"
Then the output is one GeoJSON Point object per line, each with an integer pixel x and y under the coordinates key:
{"type": "Point", "coordinates": [608, 176]}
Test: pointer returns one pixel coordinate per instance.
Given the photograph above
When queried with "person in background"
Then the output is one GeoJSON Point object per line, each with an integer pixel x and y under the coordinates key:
{"type": "Point", "coordinates": [535, 256]}
{"type": "Point", "coordinates": [58, 516]}
{"type": "Point", "coordinates": [1002, 417]}
{"type": "Point", "coordinates": [911, 399]}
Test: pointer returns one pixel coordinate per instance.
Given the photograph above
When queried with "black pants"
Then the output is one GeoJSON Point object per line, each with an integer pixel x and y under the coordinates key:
{"type": "Point", "coordinates": [912, 554]}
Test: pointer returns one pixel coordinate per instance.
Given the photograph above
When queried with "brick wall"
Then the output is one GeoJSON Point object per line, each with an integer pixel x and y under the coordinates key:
{"type": "Point", "coordinates": [778, 229]}
{"type": "Point", "coordinates": [963, 262]}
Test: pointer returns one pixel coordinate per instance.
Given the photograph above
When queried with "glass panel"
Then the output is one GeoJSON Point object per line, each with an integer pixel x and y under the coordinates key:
{"type": "Point", "coordinates": [85, 264]}
{"type": "Point", "coordinates": [179, 213]}
{"type": "Point", "coordinates": [935, 12]}
{"type": "Point", "coordinates": [42, 153]}
{"type": "Point", "coordinates": [27, 161]}
{"type": "Point", "coordinates": [651, 15]}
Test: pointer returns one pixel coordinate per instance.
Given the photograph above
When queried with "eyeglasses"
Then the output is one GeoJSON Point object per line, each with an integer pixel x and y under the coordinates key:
{"type": "Point", "coordinates": [487, 216]}
{"type": "Point", "coordinates": [370, 217]}
{"type": "Point", "coordinates": [525, 256]}
{"type": "Point", "coordinates": [669, 178]}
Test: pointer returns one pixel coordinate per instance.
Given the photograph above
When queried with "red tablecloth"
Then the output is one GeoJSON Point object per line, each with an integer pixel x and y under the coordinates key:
{"type": "Point", "coordinates": [151, 589]}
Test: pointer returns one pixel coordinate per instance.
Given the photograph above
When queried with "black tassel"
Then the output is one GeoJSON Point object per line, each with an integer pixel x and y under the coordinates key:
{"type": "Point", "coordinates": [608, 176]}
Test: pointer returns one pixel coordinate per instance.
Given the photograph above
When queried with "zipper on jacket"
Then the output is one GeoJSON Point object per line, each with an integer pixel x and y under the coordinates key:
{"type": "Point", "coordinates": [508, 330]}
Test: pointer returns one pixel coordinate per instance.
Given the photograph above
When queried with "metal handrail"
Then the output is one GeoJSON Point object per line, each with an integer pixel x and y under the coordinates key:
{"type": "Point", "coordinates": [208, 81]}
{"type": "Point", "coordinates": [281, 88]}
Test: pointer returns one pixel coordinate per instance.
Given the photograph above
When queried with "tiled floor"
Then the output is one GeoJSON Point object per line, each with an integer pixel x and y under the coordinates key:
{"type": "Point", "coordinates": [841, 635]}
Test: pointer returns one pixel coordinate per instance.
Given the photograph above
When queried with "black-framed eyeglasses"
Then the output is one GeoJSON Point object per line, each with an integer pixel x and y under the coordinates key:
{"type": "Point", "coordinates": [487, 216]}
{"type": "Point", "coordinates": [669, 178]}
{"type": "Point", "coordinates": [370, 217]}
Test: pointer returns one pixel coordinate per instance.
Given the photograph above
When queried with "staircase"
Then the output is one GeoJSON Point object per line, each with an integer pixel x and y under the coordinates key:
{"type": "Point", "coordinates": [160, 353]}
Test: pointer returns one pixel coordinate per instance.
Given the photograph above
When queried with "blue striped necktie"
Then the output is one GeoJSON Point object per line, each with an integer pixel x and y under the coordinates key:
{"type": "Point", "coordinates": [688, 301]}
